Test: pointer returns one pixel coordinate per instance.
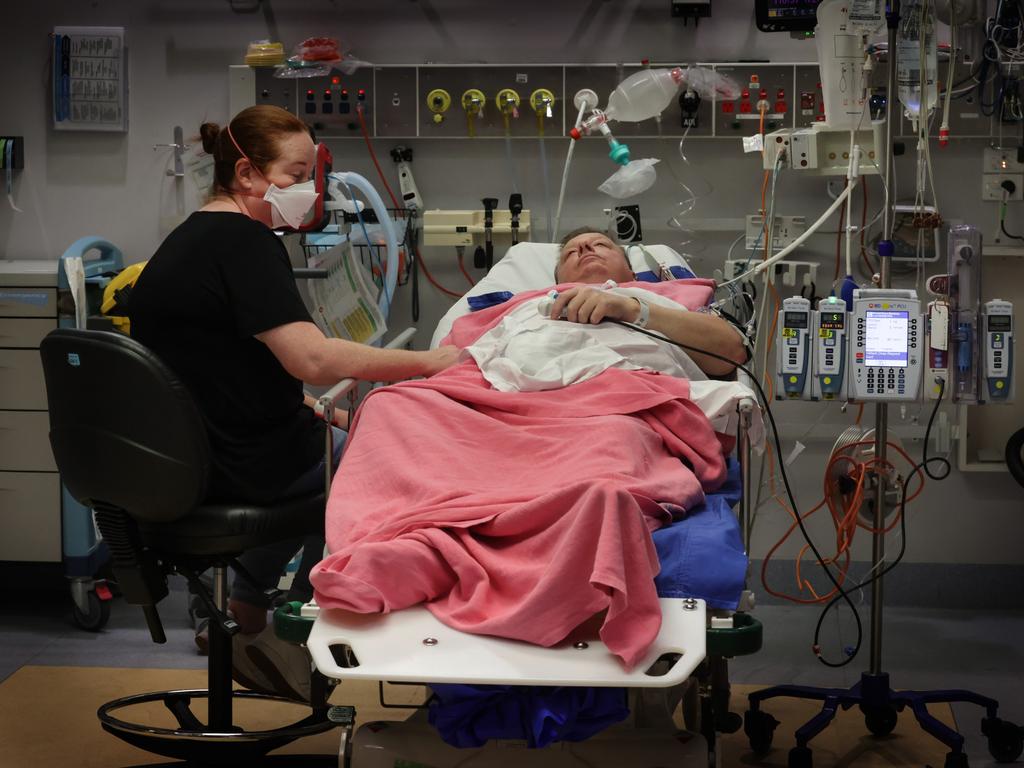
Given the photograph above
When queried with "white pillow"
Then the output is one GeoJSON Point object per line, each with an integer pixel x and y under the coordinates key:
{"type": "Point", "coordinates": [531, 266]}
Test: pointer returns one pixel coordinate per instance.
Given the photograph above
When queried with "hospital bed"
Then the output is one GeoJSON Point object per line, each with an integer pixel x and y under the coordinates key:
{"type": "Point", "coordinates": [703, 623]}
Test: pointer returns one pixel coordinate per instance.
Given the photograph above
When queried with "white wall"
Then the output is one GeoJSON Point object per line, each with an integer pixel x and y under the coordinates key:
{"type": "Point", "coordinates": [78, 183]}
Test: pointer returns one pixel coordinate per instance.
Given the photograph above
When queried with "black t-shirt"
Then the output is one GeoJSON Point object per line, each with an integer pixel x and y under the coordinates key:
{"type": "Point", "coordinates": [215, 282]}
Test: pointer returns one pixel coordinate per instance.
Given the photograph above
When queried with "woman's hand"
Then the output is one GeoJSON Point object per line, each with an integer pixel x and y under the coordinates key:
{"type": "Point", "coordinates": [436, 360]}
{"type": "Point", "coordinates": [592, 305]}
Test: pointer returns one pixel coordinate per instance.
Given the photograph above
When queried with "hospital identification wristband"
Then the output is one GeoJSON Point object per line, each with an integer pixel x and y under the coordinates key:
{"type": "Point", "coordinates": [645, 313]}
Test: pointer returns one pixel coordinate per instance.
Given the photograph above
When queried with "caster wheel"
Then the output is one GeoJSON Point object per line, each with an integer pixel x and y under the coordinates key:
{"type": "Point", "coordinates": [800, 757]}
{"type": "Point", "coordinates": [880, 720]}
{"type": "Point", "coordinates": [956, 760]}
{"type": "Point", "coordinates": [730, 722]}
{"type": "Point", "coordinates": [759, 727]}
{"type": "Point", "coordinates": [96, 617]}
{"type": "Point", "coordinates": [1005, 740]}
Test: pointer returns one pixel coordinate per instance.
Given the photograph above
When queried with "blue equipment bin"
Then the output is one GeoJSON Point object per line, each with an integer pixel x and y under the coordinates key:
{"type": "Point", "coordinates": [83, 550]}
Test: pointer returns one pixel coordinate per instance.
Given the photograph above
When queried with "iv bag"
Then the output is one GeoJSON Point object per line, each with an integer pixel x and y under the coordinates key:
{"type": "Point", "coordinates": [917, 27]}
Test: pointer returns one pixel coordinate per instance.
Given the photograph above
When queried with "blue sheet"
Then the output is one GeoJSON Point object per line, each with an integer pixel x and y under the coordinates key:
{"type": "Point", "coordinates": [701, 556]}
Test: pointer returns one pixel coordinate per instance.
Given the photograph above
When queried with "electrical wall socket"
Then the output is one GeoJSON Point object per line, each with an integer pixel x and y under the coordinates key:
{"type": "Point", "coordinates": [991, 189]}
{"type": "Point", "coordinates": [1001, 161]}
{"type": "Point", "coordinates": [785, 230]}
{"type": "Point", "coordinates": [787, 271]}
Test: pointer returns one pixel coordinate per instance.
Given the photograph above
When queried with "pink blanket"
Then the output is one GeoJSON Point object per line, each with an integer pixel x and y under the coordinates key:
{"type": "Point", "coordinates": [519, 515]}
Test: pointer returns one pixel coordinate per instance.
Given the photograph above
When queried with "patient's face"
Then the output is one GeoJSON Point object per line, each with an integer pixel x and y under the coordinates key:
{"type": "Point", "coordinates": [593, 258]}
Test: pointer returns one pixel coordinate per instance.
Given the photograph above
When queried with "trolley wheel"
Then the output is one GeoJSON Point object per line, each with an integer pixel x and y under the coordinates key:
{"type": "Point", "coordinates": [1005, 740]}
{"type": "Point", "coordinates": [760, 728]}
{"type": "Point", "coordinates": [956, 760]}
{"type": "Point", "coordinates": [800, 757]}
{"type": "Point", "coordinates": [729, 722]}
{"type": "Point", "coordinates": [96, 617]}
{"type": "Point", "coordinates": [880, 720]}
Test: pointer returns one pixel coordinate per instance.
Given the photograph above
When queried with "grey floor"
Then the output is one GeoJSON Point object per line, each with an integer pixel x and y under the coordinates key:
{"type": "Point", "coordinates": [921, 649]}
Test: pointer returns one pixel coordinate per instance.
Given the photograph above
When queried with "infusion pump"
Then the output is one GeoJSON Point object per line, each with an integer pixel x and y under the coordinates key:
{"type": "Point", "coordinates": [998, 350]}
{"type": "Point", "coordinates": [878, 351]}
{"type": "Point", "coordinates": [793, 356]}
{"type": "Point", "coordinates": [886, 344]}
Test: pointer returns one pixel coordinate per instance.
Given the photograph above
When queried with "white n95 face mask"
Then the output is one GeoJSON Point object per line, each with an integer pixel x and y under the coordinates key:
{"type": "Point", "coordinates": [289, 206]}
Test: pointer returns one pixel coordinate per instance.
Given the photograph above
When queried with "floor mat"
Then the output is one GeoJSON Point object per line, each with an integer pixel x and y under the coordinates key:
{"type": "Point", "coordinates": [48, 718]}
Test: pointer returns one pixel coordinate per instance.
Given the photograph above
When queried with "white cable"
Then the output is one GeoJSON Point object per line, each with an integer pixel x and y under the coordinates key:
{"type": "Point", "coordinates": [952, 66]}
{"type": "Point", "coordinates": [849, 218]}
{"type": "Point", "coordinates": [547, 190]}
{"type": "Point", "coordinates": [565, 176]}
{"type": "Point", "coordinates": [762, 266]}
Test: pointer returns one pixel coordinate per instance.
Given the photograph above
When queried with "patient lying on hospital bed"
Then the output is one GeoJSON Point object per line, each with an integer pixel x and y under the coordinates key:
{"type": "Point", "coordinates": [516, 492]}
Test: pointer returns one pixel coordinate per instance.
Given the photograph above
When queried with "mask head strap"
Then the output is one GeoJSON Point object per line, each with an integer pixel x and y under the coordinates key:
{"type": "Point", "coordinates": [230, 136]}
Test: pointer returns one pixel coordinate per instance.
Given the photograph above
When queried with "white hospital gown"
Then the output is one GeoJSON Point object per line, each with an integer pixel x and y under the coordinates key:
{"type": "Point", "coordinates": [528, 352]}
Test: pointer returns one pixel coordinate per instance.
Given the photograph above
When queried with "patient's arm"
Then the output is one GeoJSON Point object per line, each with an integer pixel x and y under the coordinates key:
{"type": "Point", "coordinates": [694, 329]}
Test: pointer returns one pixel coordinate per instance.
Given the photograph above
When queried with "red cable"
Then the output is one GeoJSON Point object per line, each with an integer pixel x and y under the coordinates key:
{"type": "Point", "coordinates": [373, 156]}
{"type": "Point", "coordinates": [464, 272]}
{"type": "Point", "coordinates": [430, 277]}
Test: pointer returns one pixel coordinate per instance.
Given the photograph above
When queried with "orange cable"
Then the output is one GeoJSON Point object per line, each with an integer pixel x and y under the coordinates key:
{"type": "Point", "coordinates": [845, 520]}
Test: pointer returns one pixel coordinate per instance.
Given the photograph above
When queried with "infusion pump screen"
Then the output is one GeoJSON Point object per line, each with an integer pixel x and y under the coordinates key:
{"type": "Point", "coordinates": [885, 338]}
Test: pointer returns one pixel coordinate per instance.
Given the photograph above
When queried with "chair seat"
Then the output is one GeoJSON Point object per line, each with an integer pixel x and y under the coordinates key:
{"type": "Point", "coordinates": [222, 529]}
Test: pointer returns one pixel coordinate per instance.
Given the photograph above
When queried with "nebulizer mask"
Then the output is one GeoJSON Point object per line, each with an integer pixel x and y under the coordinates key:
{"type": "Point", "coordinates": [642, 96]}
{"type": "Point", "coordinates": [634, 177]}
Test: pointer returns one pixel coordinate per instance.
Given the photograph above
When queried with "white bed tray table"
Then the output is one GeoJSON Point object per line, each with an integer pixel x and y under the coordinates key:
{"type": "Point", "coordinates": [411, 646]}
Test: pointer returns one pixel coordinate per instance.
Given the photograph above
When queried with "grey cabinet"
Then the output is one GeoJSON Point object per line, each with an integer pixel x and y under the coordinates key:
{"type": "Point", "coordinates": [30, 490]}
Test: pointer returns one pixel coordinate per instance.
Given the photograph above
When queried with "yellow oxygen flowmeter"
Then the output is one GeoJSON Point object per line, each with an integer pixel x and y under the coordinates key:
{"type": "Point", "coordinates": [543, 101]}
{"type": "Point", "coordinates": [473, 102]}
{"type": "Point", "coordinates": [508, 104]}
{"type": "Point", "coordinates": [438, 102]}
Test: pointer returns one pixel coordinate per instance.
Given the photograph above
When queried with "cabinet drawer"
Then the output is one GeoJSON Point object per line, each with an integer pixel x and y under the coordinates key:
{"type": "Point", "coordinates": [25, 443]}
{"type": "Point", "coordinates": [30, 517]}
{"type": "Point", "coordinates": [24, 333]}
{"type": "Point", "coordinates": [21, 380]}
{"type": "Point", "coordinates": [28, 302]}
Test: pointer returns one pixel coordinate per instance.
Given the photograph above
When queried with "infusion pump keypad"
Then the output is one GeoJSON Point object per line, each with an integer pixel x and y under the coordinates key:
{"type": "Point", "coordinates": [885, 366]}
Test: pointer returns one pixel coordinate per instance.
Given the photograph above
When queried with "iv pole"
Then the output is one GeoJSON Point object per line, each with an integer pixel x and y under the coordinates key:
{"type": "Point", "coordinates": [872, 694]}
{"type": "Point", "coordinates": [885, 251]}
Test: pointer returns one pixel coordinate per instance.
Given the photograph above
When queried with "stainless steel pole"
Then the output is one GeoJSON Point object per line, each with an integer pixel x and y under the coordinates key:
{"type": "Point", "coordinates": [881, 409]}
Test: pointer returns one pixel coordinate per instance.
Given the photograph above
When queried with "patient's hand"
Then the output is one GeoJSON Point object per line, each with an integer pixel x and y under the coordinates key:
{"type": "Point", "coordinates": [439, 359]}
{"type": "Point", "coordinates": [591, 305]}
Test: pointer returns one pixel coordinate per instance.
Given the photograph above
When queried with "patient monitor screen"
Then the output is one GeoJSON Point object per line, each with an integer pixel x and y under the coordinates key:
{"type": "Point", "coordinates": [885, 338]}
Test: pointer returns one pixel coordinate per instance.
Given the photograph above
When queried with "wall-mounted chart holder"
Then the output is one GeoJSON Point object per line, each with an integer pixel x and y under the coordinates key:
{"type": "Point", "coordinates": [12, 152]}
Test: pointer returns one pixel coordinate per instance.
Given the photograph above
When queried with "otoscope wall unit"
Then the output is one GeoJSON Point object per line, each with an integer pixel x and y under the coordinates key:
{"type": "Point", "coordinates": [12, 153]}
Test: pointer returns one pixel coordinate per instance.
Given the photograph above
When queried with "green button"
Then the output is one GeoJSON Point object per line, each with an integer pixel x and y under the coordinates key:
{"type": "Point", "coordinates": [1000, 385]}
{"type": "Point", "coordinates": [792, 379]}
{"type": "Point", "coordinates": [827, 379]}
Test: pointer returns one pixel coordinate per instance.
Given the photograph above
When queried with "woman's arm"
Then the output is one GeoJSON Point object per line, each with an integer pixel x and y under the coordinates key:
{"type": "Point", "coordinates": [694, 329]}
{"type": "Point", "coordinates": [340, 414]}
{"type": "Point", "coordinates": [308, 355]}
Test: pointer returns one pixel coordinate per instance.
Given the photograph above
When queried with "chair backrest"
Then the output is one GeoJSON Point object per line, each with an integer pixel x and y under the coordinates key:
{"type": "Point", "coordinates": [124, 429]}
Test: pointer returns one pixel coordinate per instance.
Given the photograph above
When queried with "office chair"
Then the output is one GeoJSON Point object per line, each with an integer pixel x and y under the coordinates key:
{"type": "Point", "coordinates": [130, 442]}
